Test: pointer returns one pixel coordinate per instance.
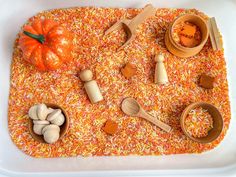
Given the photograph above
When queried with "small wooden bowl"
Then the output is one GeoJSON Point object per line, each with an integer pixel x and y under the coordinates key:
{"type": "Point", "coordinates": [63, 128]}
{"type": "Point", "coordinates": [180, 50]}
{"type": "Point", "coordinates": [217, 122]}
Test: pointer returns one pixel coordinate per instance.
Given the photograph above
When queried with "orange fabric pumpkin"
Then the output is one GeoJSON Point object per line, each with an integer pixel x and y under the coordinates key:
{"type": "Point", "coordinates": [45, 44]}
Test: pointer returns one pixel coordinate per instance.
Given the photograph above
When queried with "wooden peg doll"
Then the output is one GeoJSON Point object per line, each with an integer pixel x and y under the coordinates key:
{"type": "Point", "coordinates": [160, 70]}
{"type": "Point", "coordinates": [91, 86]}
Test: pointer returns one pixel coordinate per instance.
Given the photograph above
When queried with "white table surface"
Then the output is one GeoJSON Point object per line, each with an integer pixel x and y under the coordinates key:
{"type": "Point", "coordinates": [13, 9]}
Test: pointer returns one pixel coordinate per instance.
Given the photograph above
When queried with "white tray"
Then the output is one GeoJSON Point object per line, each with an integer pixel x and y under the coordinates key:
{"type": "Point", "coordinates": [218, 162]}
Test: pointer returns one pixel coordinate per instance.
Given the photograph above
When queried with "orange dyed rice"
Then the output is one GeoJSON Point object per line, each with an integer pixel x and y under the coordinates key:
{"type": "Point", "coordinates": [198, 122]}
{"type": "Point", "coordinates": [136, 136]}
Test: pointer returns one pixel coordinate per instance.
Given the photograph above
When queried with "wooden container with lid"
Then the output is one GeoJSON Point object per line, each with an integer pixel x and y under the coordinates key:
{"type": "Point", "coordinates": [178, 49]}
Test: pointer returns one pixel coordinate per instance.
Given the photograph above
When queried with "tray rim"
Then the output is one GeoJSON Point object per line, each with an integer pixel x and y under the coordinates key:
{"type": "Point", "coordinates": [162, 4]}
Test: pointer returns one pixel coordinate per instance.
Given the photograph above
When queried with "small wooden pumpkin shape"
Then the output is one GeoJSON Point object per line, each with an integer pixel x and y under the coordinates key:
{"type": "Point", "coordinates": [46, 44]}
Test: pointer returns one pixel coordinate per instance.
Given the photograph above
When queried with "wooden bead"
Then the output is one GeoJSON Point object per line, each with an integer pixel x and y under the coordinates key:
{"type": "Point", "coordinates": [159, 58]}
{"type": "Point", "coordinates": [86, 75]}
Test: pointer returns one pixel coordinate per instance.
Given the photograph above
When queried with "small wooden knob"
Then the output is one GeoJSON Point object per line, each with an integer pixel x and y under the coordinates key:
{"type": "Point", "coordinates": [159, 58]}
{"type": "Point", "coordinates": [86, 75]}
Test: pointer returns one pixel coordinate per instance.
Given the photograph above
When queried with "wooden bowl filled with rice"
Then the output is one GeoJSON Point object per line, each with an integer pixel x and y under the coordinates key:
{"type": "Point", "coordinates": [201, 122]}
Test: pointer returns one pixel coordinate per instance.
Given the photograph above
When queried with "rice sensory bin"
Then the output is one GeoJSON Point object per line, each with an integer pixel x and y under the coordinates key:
{"type": "Point", "coordinates": [102, 129]}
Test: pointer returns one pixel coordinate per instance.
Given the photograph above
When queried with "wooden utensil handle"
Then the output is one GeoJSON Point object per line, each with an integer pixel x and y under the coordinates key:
{"type": "Point", "coordinates": [147, 12]}
{"type": "Point", "coordinates": [155, 121]}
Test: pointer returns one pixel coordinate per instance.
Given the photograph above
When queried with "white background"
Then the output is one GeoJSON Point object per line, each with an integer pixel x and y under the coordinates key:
{"type": "Point", "coordinates": [221, 161]}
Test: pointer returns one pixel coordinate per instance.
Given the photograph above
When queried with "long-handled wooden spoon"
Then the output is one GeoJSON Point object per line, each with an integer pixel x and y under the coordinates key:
{"type": "Point", "coordinates": [131, 107]}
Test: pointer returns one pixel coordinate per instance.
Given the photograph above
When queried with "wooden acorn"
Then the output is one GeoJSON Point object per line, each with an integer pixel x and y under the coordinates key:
{"type": "Point", "coordinates": [39, 125]}
{"type": "Point", "coordinates": [51, 133]}
{"type": "Point", "coordinates": [56, 117]}
{"type": "Point", "coordinates": [39, 111]}
{"type": "Point", "coordinates": [49, 120]}
{"type": "Point", "coordinates": [160, 70]}
{"type": "Point", "coordinates": [91, 86]}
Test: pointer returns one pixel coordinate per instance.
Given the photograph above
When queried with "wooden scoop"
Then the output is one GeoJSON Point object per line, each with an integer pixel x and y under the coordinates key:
{"type": "Point", "coordinates": [131, 25]}
{"type": "Point", "coordinates": [131, 107]}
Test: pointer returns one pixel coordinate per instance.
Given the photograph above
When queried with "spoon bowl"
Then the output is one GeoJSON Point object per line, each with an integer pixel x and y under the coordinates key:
{"type": "Point", "coordinates": [132, 108]}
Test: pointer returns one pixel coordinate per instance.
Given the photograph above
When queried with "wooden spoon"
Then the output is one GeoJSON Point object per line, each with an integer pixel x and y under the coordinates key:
{"type": "Point", "coordinates": [131, 107]}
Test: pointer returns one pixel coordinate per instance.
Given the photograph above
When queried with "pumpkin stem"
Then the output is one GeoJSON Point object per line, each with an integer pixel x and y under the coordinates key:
{"type": "Point", "coordinates": [39, 38]}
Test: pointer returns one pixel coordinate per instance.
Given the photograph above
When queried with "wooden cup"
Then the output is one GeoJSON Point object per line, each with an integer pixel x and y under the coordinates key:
{"type": "Point", "coordinates": [63, 128]}
{"type": "Point", "coordinates": [178, 49]}
{"type": "Point", "coordinates": [217, 122]}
